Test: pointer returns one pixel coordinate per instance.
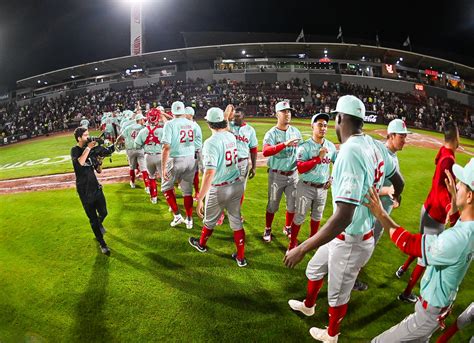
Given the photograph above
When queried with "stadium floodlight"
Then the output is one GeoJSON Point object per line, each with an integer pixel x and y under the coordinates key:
{"type": "Point", "coordinates": [96, 68]}
{"type": "Point", "coordinates": [164, 58]}
{"type": "Point", "coordinates": [134, 66]}
{"type": "Point", "coordinates": [39, 81]}
{"type": "Point", "coordinates": [398, 62]}
{"type": "Point", "coordinates": [455, 73]}
{"type": "Point", "coordinates": [72, 76]}
{"type": "Point", "coordinates": [45, 82]}
{"type": "Point", "coordinates": [243, 52]}
{"type": "Point", "coordinates": [363, 58]}
{"type": "Point", "coordinates": [401, 58]}
{"type": "Point", "coordinates": [171, 61]}
{"type": "Point", "coordinates": [325, 51]}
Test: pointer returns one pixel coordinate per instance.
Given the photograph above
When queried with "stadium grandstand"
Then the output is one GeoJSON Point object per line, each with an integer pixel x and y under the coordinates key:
{"type": "Point", "coordinates": [422, 89]}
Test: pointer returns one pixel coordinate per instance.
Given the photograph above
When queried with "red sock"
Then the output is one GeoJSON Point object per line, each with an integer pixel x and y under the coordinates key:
{"type": "Point", "coordinates": [289, 218]}
{"type": "Point", "coordinates": [336, 315]}
{"type": "Point", "coordinates": [132, 175]}
{"type": "Point", "coordinates": [312, 292]}
{"type": "Point", "coordinates": [188, 205]}
{"type": "Point", "coordinates": [294, 236]}
{"type": "Point", "coordinates": [407, 263]}
{"type": "Point", "coordinates": [239, 239]}
{"type": "Point", "coordinates": [196, 182]}
{"type": "Point", "coordinates": [242, 200]}
{"type": "Point", "coordinates": [314, 227]}
{"type": "Point", "coordinates": [153, 189]}
{"type": "Point", "coordinates": [146, 179]}
{"type": "Point", "coordinates": [205, 234]}
{"type": "Point", "coordinates": [444, 338]}
{"type": "Point", "coordinates": [171, 200]}
{"type": "Point", "coordinates": [415, 276]}
{"type": "Point", "coordinates": [269, 219]}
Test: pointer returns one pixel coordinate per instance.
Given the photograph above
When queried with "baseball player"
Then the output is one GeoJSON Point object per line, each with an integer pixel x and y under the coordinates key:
{"type": "Point", "coordinates": [178, 163]}
{"type": "Point", "coordinates": [221, 185]}
{"type": "Point", "coordinates": [460, 323]}
{"type": "Point", "coordinates": [447, 257]}
{"type": "Point", "coordinates": [313, 159]}
{"type": "Point", "coordinates": [434, 212]}
{"type": "Point", "coordinates": [84, 122]}
{"type": "Point", "coordinates": [135, 155]}
{"type": "Point", "coordinates": [109, 126]}
{"type": "Point", "coordinates": [149, 138]}
{"type": "Point", "coordinates": [396, 138]}
{"type": "Point", "coordinates": [247, 147]}
{"type": "Point", "coordinates": [346, 241]}
{"type": "Point", "coordinates": [279, 144]}
{"type": "Point", "coordinates": [198, 146]}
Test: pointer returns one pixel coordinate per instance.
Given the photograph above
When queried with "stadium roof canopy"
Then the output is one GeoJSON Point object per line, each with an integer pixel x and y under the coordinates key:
{"type": "Point", "coordinates": [287, 50]}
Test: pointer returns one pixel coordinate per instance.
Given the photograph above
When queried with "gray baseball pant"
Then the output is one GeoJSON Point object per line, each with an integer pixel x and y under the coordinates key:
{"type": "Point", "coordinates": [277, 184]}
{"type": "Point", "coordinates": [153, 164]}
{"type": "Point", "coordinates": [183, 169]}
{"type": "Point", "coordinates": [308, 197]}
{"type": "Point", "coordinates": [136, 157]}
{"type": "Point", "coordinates": [220, 198]}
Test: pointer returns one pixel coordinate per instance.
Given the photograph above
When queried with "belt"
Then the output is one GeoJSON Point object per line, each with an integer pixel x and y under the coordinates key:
{"type": "Point", "coordinates": [315, 185]}
{"type": "Point", "coordinates": [285, 173]}
{"type": "Point", "coordinates": [227, 182]}
{"type": "Point", "coordinates": [242, 159]}
{"type": "Point", "coordinates": [369, 234]}
{"type": "Point", "coordinates": [153, 153]}
{"type": "Point", "coordinates": [425, 305]}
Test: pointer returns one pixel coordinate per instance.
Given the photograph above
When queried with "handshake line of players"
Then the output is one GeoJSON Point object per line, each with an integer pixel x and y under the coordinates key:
{"type": "Point", "coordinates": [171, 146]}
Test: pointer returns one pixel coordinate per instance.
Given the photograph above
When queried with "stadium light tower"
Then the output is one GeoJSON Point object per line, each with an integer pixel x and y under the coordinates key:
{"type": "Point", "coordinates": [136, 28]}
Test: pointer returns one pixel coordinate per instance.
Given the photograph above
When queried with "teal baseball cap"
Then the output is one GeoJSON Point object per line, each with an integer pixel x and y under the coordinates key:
{"type": "Point", "coordinates": [139, 116]}
{"type": "Point", "coordinates": [283, 105]}
{"type": "Point", "coordinates": [178, 108]}
{"type": "Point", "coordinates": [214, 115]}
{"type": "Point", "coordinates": [189, 110]}
{"type": "Point", "coordinates": [351, 105]}
{"type": "Point", "coordinates": [397, 126]}
{"type": "Point", "coordinates": [466, 174]}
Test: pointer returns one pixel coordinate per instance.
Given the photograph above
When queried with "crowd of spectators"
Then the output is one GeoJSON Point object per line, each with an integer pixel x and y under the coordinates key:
{"type": "Point", "coordinates": [258, 98]}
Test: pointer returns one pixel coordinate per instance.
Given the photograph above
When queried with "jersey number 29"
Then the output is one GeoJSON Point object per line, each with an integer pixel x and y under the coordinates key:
{"type": "Point", "coordinates": [184, 133]}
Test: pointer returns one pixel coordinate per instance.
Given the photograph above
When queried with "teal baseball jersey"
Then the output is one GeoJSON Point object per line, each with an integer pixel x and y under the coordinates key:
{"type": "Point", "coordinates": [310, 149]}
{"type": "Point", "coordinates": [179, 134]}
{"type": "Point", "coordinates": [129, 133]}
{"type": "Point", "coordinates": [197, 136]}
{"type": "Point", "coordinates": [285, 160]}
{"type": "Point", "coordinates": [447, 257]}
{"type": "Point", "coordinates": [220, 153]}
{"type": "Point", "coordinates": [359, 166]}
{"type": "Point", "coordinates": [246, 138]}
{"type": "Point", "coordinates": [109, 123]}
{"type": "Point", "coordinates": [84, 123]}
{"type": "Point", "coordinates": [149, 138]}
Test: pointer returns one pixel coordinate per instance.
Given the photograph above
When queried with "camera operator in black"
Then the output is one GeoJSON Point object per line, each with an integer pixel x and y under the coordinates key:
{"type": "Point", "coordinates": [90, 192]}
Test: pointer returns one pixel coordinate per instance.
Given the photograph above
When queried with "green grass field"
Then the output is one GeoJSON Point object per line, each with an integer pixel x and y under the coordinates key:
{"type": "Point", "coordinates": [56, 286]}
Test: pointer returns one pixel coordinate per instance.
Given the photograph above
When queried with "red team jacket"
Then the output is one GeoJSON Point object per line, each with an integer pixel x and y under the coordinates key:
{"type": "Point", "coordinates": [438, 202]}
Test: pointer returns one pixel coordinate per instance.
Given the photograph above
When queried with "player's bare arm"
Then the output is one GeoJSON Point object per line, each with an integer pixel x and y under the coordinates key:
{"type": "Point", "coordinates": [253, 158]}
{"type": "Point", "coordinates": [165, 154]}
{"type": "Point", "coordinates": [375, 206]}
{"type": "Point", "coordinates": [85, 154]}
{"type": "Point", "coordinates": [333, 227]}
{"type": "Point", "coordinates": [398, 185]}
{"type": "Point", "coordinates": [451, 186]}
{"type": "Point", "coordinates": [206, 185]}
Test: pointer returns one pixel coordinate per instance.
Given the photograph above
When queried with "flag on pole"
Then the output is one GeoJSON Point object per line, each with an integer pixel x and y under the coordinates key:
{"type": "Point", "coordinates": [301, 36]}
{"type": "Point", "coordinates": [377, 41]}
{"type": "Point", "coordinates": [407, 42]}
{"type": "Point", "coordinates": [339, 35]}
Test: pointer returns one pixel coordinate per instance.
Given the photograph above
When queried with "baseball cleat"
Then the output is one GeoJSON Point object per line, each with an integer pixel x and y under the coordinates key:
{"type": "Point", "coordinates": [147, 190]}
{"type": "Point", "coordinates": [154, 200]}
{"type": "Point", "coordinates": [132, 185]}
{"type": "Point", "coordinates": [195, 243]}
{"type": "Point", "coordinates": [411, 298]}
{"type": "Point", "coordinates": [221, 219]}
{"type": "Point", "coordinates": [105, 250]}
{"type": "Point", "coordinates": [399, 273]}
{"type": "Point", "coordinates": [240, 263]}
{"type": "Point", "coordinates": [360, 286]}
{"type": "Point", "coordinates": [287, 231]}
{"type": "Point", "coordinates": [189, 223]}
{"type": "Point", "coordinates": [322, 335]}
{"type": "Point", "coordinates": [297, 305]}
{"type": "Point", "coordinates": [178, 219]}
{"type": "Point", "coordinates": [267, 235]}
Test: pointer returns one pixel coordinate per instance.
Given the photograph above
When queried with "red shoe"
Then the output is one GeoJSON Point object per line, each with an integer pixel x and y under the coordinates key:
{"type": "Point", "coordinates": [221, 219]}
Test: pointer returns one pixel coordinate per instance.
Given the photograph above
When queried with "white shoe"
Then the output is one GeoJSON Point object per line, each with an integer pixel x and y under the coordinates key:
{"type": "Point", "coordinates": [154, 200]}
{"type": "Point", "coordinates": [297, 305]}
{"type": "Point", "coordinates": [147, 190]}
{"type": "Point", "coordinates": [322, 335]}
{"type": "Point", "coordinates": [178, 219]}
{"type": "Point", "coordinates": [189, 223]}
{"type": "Point", "coordinates": [132, 185]}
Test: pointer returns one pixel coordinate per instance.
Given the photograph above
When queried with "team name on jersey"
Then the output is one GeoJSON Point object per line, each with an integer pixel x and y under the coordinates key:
{"type": "Point", "coordinates": [186, 127]}
{"type": "Point", "coordinates": [230, 145]}
{"type": "Point", "coordinates": [241, 138]}
{"type": "Point", "coordinates": [325, 160]}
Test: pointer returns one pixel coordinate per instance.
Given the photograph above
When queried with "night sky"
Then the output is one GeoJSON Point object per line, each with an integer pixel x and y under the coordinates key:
{"type": "Point", "coordinates": [44, 35]}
